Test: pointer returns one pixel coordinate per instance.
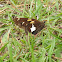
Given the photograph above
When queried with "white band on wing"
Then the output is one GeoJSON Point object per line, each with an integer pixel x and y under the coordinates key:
{"type": "Point", "coordinates": [33, 28]}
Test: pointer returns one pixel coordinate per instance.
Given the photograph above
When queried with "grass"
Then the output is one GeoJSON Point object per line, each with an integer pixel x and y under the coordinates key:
{"type": "Point", "coordinates": [46, 47]}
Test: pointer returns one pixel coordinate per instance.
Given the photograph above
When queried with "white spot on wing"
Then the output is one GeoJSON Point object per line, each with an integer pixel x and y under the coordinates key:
{"type": "Point", "coordinates": [23, 23]}
{"type": "Point", "coordinates": [18, 19]}
{"type": "Point", "coordinates": [33, 28]}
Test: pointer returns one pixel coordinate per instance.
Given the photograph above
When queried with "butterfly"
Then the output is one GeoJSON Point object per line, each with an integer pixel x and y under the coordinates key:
{"type": "Point", "coordinates": [29, 25]}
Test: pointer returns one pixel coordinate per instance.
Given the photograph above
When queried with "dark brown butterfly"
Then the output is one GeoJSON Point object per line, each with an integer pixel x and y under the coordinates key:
{"type": "Point", "coordinates": [30, 25]}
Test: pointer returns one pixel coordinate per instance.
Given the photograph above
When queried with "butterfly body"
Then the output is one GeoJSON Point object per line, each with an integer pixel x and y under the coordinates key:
{"type": "Point", "coordinates": [30, 25]}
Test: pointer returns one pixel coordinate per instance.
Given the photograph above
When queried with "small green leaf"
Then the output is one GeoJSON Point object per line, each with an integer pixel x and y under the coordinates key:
{"type": "Point", "coordinates": [5, 37]}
